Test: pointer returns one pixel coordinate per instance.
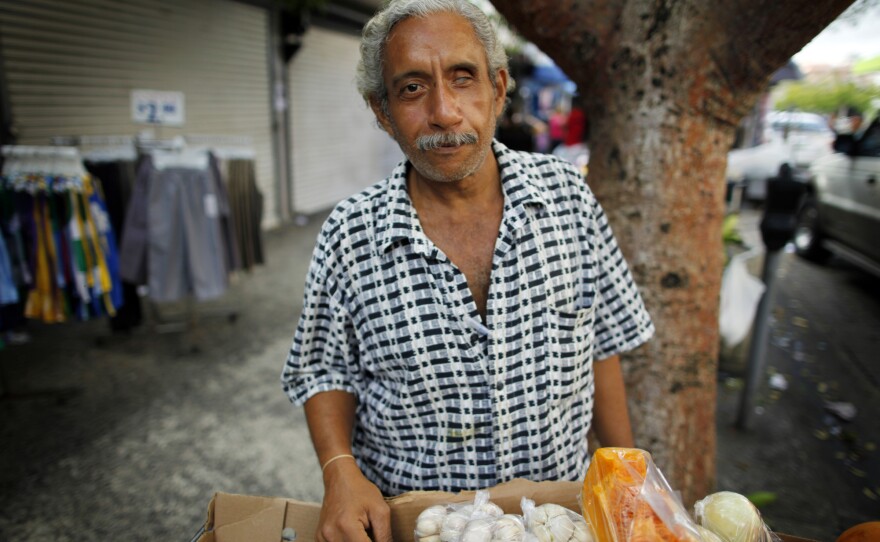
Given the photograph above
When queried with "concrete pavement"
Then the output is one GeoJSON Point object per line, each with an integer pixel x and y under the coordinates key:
{"type": "Point", "coordinates": [105, 436]}
{"type": "Point", "coordinates": [824, 341]}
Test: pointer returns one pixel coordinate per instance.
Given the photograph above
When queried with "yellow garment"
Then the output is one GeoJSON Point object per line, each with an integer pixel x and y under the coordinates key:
{"type": "Point", "coordinates": [103, 274]}
{"type": "Point", "coordinates": [44, 300]}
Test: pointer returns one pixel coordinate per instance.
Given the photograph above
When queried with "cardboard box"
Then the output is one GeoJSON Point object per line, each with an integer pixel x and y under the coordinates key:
{"type": "Point", "coordinates": [242, 518]}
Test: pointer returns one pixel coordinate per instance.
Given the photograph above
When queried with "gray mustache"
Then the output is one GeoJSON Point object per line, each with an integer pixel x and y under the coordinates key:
{"type": "Point", "coordinates": [446, 139]}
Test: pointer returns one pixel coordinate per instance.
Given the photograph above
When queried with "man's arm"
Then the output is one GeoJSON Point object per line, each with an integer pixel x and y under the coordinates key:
{"type": "Point", "coordinates": [610, 414]}
{"type": "Point", "coordinates": [353, 509]}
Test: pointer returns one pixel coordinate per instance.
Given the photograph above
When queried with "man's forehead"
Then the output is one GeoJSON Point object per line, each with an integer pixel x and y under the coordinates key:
{"type": "Point", "coordinates": [444, 34]}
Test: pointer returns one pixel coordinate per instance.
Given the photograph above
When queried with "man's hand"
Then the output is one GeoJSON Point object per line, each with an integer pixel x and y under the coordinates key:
{"type": "Point", "coordinates": [354, 509]}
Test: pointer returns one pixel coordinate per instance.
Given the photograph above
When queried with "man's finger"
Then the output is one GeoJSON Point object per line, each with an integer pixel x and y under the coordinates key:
{"type": "Point", "coordinates": [352, 532]}
{"type": "Point", "coordinates": [380, 524]}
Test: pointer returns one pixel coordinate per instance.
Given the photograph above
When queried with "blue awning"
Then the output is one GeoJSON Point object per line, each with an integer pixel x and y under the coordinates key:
{"type": "Point", "coordinates": [549, 74]}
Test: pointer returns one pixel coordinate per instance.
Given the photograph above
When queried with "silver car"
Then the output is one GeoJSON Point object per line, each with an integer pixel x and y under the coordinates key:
{"type": "Point", "coordinates": [791, 137]}
{"type": "Point", "coordinates": [841, 212]}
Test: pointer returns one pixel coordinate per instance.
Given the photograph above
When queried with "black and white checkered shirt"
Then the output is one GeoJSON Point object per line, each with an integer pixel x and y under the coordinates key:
{"type": "Point", "coordinates": [446, 401]}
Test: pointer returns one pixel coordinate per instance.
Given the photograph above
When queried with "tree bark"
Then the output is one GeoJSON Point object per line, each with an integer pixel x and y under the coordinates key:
{"type": "Point", "coordinates": [664, 84]}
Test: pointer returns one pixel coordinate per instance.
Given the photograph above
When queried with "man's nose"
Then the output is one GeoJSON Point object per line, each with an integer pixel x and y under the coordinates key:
{"type": "Point", "coordinates": [445, 110]}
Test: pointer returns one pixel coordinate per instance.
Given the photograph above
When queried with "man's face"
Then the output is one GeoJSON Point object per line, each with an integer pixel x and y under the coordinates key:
{"type": "Point", "coordinates": [442, 105]}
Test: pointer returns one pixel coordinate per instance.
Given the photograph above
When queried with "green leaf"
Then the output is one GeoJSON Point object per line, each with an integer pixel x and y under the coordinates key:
{"type": "Point", "coordinates": [762, 498]}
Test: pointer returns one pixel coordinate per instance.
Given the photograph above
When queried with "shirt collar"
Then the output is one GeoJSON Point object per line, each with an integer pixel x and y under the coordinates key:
{"type": "Point", "coordinates": [398, 223]}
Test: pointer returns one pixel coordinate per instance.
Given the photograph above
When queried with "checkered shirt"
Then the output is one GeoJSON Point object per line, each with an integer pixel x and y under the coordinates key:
{"type": "Point", "coordinates": [447, 401]}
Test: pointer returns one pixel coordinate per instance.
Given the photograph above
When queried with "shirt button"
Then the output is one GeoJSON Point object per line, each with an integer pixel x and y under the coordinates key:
{"type": "Point", "coordinates": [449, 277]}
{"type": "Point", "coordinates": [499, 386]}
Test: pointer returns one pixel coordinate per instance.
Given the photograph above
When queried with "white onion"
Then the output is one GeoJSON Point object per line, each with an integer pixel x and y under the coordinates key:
{"type": "Point", "coordinates": [706, 535]}
{"type": "Point", "coordinates": [731, 516]}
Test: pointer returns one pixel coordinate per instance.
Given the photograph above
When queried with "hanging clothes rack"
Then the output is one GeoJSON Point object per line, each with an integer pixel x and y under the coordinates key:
{"type": "Point", "coordinates": [237, 163]}
{"type": "Point", "coordinates": [193, 152]}
{"type": "Point", "coordinates": [179, 206]}
{"type": "Point", "coordinates": [64, 248]}
{"type": "Point", "coordinates": [112, 159]}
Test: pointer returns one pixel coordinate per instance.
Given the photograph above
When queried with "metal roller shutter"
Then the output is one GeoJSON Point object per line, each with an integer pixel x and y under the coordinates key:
{"type": "Point", "coordinates": [71, 67]}
{"type": "Point", "coordinates": [337, 149]}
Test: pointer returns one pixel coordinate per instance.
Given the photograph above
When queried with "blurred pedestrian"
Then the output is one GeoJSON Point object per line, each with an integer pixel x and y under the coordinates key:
{"type": "Point", "coordinates": [558, 123]}
{"type": "Point", "coordinates": [574, 147]}
{"type": "Point", "coordinates": [515, 132]}
{"type": "Point", "coordinates": [847, 121]}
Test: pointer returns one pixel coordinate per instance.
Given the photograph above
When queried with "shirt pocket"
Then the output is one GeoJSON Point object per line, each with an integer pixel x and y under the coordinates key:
{"type": "Point", "coordinates": [569, 351]}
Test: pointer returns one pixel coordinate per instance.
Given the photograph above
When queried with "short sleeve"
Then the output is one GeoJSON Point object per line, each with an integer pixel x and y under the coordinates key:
{"type": "Point", "coordinates": [622, 322]}
{"type": "Point", "coordinates": [323, 356]}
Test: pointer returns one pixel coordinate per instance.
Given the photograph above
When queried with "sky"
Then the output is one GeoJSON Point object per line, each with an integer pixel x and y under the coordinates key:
{"type": "Point", "coordinates": [853, 37]}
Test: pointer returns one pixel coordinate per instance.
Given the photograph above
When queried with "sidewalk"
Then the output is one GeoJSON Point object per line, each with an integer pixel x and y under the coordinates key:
{"type": "Point", "coordinates": [106, 436]}
{"type": "Point", "coordinates": [824, 338]}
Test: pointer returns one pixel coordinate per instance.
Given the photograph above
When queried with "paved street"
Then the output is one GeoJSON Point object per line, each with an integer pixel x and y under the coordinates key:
{"type": "Point", "coordinates": [106, 436]}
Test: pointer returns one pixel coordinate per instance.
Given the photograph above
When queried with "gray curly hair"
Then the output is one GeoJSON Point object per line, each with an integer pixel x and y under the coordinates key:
{"type": "Point", "coordinates": [370, 82]}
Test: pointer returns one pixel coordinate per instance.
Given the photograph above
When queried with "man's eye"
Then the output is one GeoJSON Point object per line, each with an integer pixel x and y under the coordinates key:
{"type": "Point", "coordinates": [411, 88]}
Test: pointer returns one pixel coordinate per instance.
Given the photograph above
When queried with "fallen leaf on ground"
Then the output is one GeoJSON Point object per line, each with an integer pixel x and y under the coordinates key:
{"type": "Point", "coordinates": [800, 322]}
{"type": "Point", "coordinates": [857, 472]}
{"type": "Point", "coordinates": [844, 411]}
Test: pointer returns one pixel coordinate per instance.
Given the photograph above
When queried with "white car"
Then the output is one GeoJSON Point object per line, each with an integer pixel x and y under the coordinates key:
{"type": "Point", "coordinates": [790, 137]}
{"type": "Point", "coordinates": [841, 212]}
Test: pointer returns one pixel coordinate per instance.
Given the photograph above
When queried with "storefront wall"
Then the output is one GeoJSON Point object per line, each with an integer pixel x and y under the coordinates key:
{"type": "Point", "coordinates": [337, 148]}
{"type": "Point", "coordinates": [71, 68]}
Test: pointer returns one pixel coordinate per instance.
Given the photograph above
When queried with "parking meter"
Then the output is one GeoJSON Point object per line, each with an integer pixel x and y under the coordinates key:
{"type": "Point", "coordinates": [784, 195]}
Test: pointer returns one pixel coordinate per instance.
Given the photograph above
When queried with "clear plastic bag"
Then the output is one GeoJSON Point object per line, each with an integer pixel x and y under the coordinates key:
{"type": "Point", "coordinates": [627, 499]}
{"type": "Point", "coordinates": [740, 294]}
{"type": "Point", "coordinates": [733, 518]}
{"type": "Point", "coordinates": [554, 523]}
{"type": "Point", "coordinates": [446, 522]}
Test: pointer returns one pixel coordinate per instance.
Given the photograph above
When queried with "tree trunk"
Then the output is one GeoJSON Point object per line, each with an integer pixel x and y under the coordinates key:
{"type": "Point", "coordinates": [664, 85]}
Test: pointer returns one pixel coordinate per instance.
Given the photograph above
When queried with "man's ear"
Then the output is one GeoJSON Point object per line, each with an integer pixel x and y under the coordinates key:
{"type": "Point", "coordinates": [381, 117]}
{"type": "Point", "coordinates": [501, 80]}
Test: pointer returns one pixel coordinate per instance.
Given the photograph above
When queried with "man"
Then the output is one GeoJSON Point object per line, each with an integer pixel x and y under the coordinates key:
{"type": "Point", "coordinates": [453, 311]}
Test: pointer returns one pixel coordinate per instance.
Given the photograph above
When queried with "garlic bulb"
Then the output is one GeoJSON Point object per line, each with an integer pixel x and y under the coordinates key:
{"type": "Point", "coordinates": [447, 522]}
{"type": "Point", "coordinates": [582, 532]}
{"type": "Point", "coordinates": [561, 528]}
{"type": "Point", "coordinates": [478, 530]}
{"type": "Point", "coordinates": [542, 513]}
{"type": "Point", "coordinates": [429, 522]}
{"type": "Point", "coordinates": [489, 509]}
{"type": "Point", "coordinates": [508, 528]}
{"type": "Point", "coordinates": [731, 516]}
{"type": "Point", "coordinates": [553, 523]}
{"type": "Point", "coordinates": [453, 525]}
